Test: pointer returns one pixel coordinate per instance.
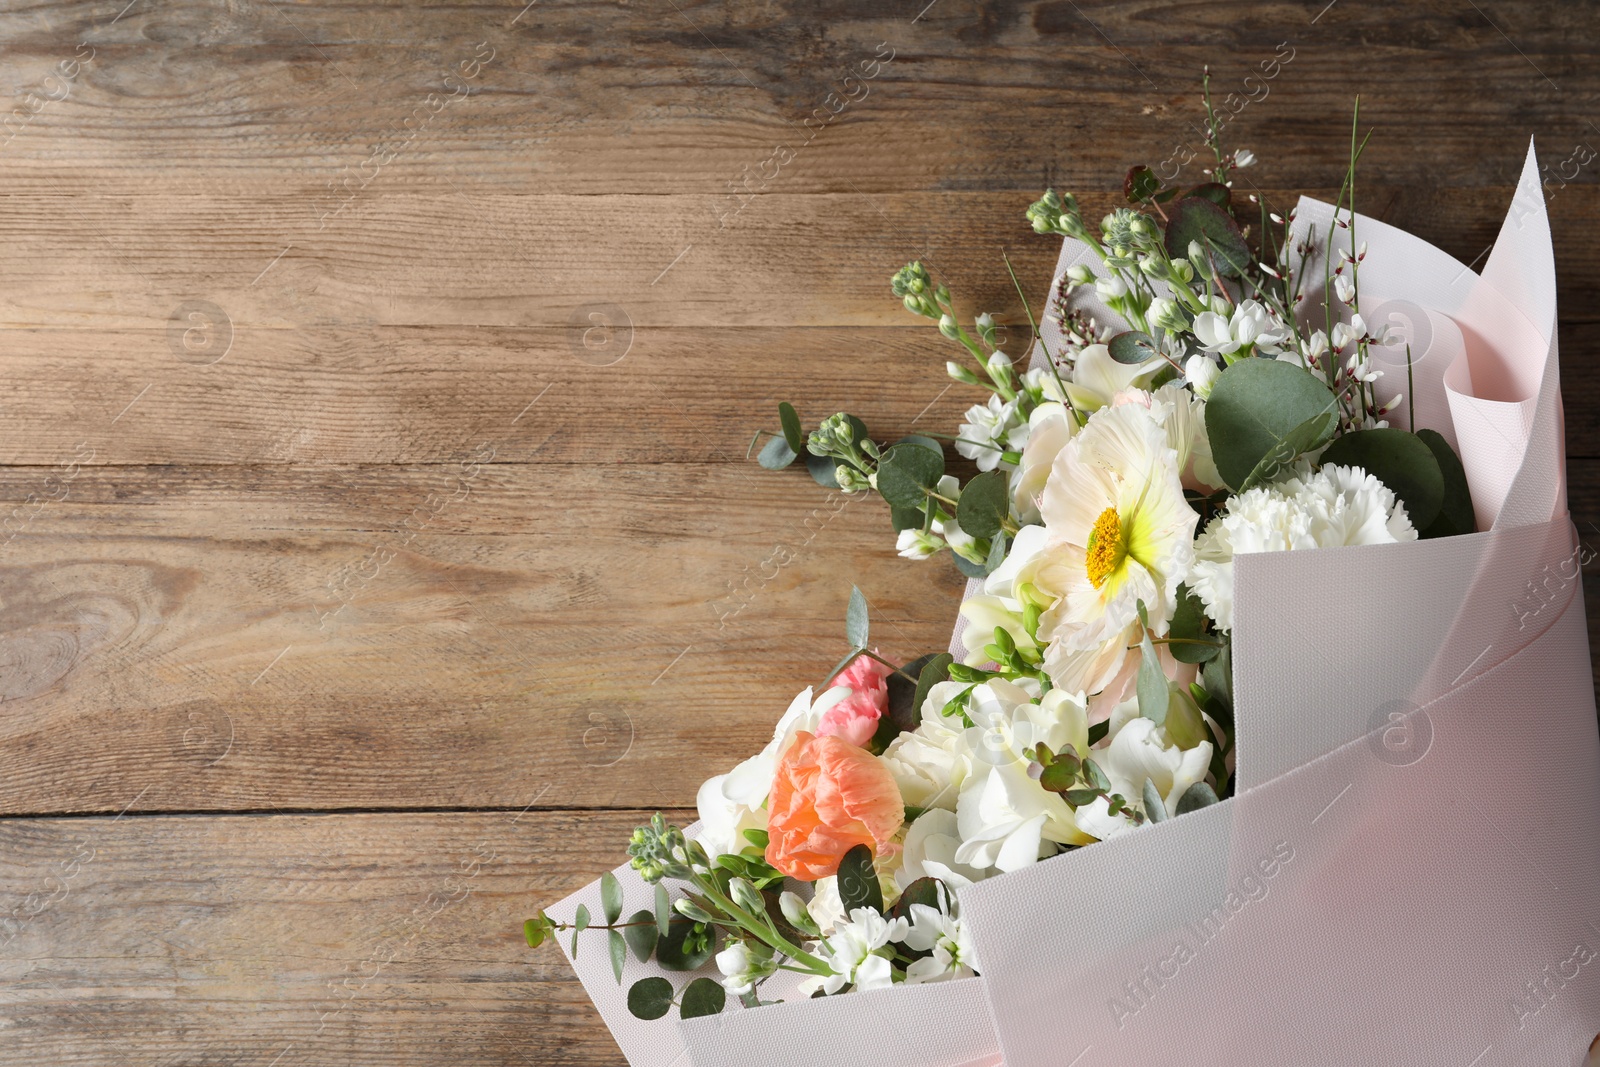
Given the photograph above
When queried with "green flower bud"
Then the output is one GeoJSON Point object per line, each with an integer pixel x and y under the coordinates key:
{"type": "Point", "coordinates": [961, 374]}
{"type": "Point", "coordinates": [690, 910]}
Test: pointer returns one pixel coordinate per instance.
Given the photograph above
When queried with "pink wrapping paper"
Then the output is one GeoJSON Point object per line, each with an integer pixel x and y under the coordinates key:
{"type": "Point", "coordinates": [1410, 872]}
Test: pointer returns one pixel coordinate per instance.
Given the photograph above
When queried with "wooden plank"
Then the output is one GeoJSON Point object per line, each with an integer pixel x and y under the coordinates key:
{"type": "Point", "coordinates": [821, 260]}
{"type": "Point", "coordinates": [367, 940]}
{"type": "Point", "coordinates": [319, 98]}
{"type": "Point", "coordinates": [256, 638]}
{"type": "Point", "coordinates": [339, 396]}
{"type": "Point", "coordinates": [277, 637]}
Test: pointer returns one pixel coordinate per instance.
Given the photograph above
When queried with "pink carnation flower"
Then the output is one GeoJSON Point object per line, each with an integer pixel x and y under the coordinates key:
{"type": "Point", "coordinates": [855, 718]}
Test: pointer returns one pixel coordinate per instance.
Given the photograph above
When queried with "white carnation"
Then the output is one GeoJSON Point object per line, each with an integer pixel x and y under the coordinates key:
{"type": "Point", "coordinates": [1335, 506]}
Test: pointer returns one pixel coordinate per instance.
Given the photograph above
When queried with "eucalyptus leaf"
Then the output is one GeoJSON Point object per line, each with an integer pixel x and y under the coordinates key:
{"type": "Point", "coordinates": [906, 472]}
{"type": "Point", "coordinates": [858, 881]}
{"type": "Point", "coordinates": [933, 672]}
{"type": "Point", "coordinates": [855, 620]}
{"type": "Point", "coordinates": [650, 998]}
{"type": "Point", "coordinates": [535, 930]}
{"type": "Point", "coordinates": [1154, 808]}
{"type": "Point", "coordinates": [1195, 218]}
{"type": "Point", "coordinates": [1097, 732]}
{"type": "Point", "coordinates": [997, 553]}
{"type": "Point", "coordinates": [611, 897]}
{"type": "Point", "coordinates": [776, 454]}
{"type": "Point", "coordinates": [1059, 777]}
{"type": "Point", "coordinates": [681, 949]}
{"type": "Point", "coordinates": [1095, 776]}
{"type": "Point", "coordinates": [791, 427]}
{"type": "Point", "coordinates": [641, 934]}
{"type": "Point", "coordinates": [619, 953]}
{"type": "Point", "coordinates": [1079, 797]}
{"type": "Point", "coordinates": [1189, 624]}
{"type": "Point", "coordinates": [904, 711]}
{"type": "Point", "coordinates": [985, 503]}
{"type": "Point", "coordinates": [703, 996]}
{"type": "Point", "coordinates": [1152, 688]}
{"type": "Point", "coordinates": [822, 470]}
{"type": "Point", "coordinates": [924, 891]}
{"type": "Point", "coordinates": [1260, 409]}
{"type": "Point", "coordinates": [1132, 347]}
{"type": "Point", "coordinates": [580, 922]}
{"type": "Point", "coordinates": [926, 442]}
{"type": "Point", "coordinates": [1455, 514]}
{"type": "Point", "coordinates": [1197, 796]}
{"type": "Point", "coordinates": [1218, 677]}
{"type": "Point", "coordinates": [1140, 185]}
{"type": "Point", "coordinates": [663, 910]}
{"type": "Point", "coordinates": [969, 568]}
{"type": "Point", "coordinates": [1215, 192]}
{"type": "Point", "coordinates": [906, 518]}
{"type": "Point", "coordinates": [1308, 436]}
{"type": "Point", "coordinates": [1400, 460]}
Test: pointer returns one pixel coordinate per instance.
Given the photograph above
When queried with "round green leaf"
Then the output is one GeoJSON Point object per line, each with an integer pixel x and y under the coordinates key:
{"type": "Point", "coordinates": [1140, 184]}
{"type": "Point", "coordinates": [776, 454]}
{"type": "Point", "coordinates": [1195, 218]}
{"type": "Point", "coordinates": [1261, 411]}
{"type": "Point", "coordinates": [1131, 347]}
{"type": "Point", "coordinates": [1154, 807]}
{"type": "Point", "coordinates": [535, 930]}
{"type": "Point", "coordinates": [1455, 514]}
{"type": "Point", "coordinates": [650, 998]}
{"type": "Point", "coordinates": [1195, 797]}
{"type": "Point", "coordinates": [906, 472]}
{"type": "Point", "coordinates": [821, 468]}
{"type": "Point", "coordinates": [906, 518]}
{"type": "Point", "coordinates": [925, 442]}
{"type": "Point", "coordinates": [682, 949]}
{"type": "Point", "coordinates": [703, 996]}
{"type": "Point", "coordinates": [1215, 192]}
{"type": "Point", "coordinates": [984, 504]}
{"type": "Point", "coordinates": [641, 934]}
{"type": "Point", "coordinates": [1400, 460]}
{"type": "Point", "coordinates": [791, 427]}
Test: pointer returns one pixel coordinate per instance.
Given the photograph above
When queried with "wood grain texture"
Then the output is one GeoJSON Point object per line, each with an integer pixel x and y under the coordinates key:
{"type": "Point", "coordinates": [376, 392]}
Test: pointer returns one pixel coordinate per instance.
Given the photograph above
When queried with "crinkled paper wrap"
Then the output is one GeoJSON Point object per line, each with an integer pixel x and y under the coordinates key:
{"type": "Point", "coordinates": [1410, 872]}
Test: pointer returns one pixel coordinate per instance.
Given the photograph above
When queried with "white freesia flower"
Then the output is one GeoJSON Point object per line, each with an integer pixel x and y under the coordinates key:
{"type": "Point", "coordinates": [930, 852]}
{"type": "Point", "coordinates": [914, 544]}
{"type": "Point", "coordinates": [1120, 531]}
{"type": "Point", "coordinates": [1111, 287]}
{"type": "Point", "coordinates": [1201, 372]}
{"type": "Point", "coordinates": [731, 803]}
{"type": "Point", "coordinates": [1251, 324]}
{"type": "Point", "coordinates": [1335, 506]}
{"type": "Point", "coordinates": [986, 433]}
{"type": "Point", "coordinates": [933, 930]}
{"type": "Point", "coordinates": [742, 969]}
{"type": "Point", "coordinates": [1097, 378]}
{"type": "Point", "coordinates": [852, 951]}
{"type": "Point", "coordinates": [1050, 427]}
{"type": "Point", "coordinates": [1140, 751]}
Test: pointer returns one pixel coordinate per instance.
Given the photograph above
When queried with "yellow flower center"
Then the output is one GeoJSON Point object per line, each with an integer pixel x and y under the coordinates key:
{"type": "Point", "coordinates": [1105, 549]}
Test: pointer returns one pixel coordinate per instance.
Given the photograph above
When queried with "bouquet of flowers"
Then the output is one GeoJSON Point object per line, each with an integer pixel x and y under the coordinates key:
{"type": "Point", "coordinates": [1276, 512]}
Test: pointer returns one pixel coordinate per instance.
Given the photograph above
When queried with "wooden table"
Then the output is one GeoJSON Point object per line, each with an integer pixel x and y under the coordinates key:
{"type": "Point", "coordinates": [381, 545]}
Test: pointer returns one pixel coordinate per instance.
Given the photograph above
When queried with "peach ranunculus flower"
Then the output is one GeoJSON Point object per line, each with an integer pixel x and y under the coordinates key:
{"type": "Point", "coordinates": [827, 797]}
{"type": "Point", "coordinates": [855, 718]}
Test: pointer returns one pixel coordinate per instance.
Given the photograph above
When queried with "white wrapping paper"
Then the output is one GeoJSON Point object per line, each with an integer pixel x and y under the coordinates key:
{"type": "Point", "coordinates": [1410, 872]}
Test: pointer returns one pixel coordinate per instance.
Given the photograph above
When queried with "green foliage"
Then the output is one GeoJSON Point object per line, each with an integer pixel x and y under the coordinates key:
{"type": "Point", "coordinates": [1189, 625]}
{"type": "Point", "coordinates": [1262, 413]}
{"type": "Point", "coordinates": [906, 473]}
{"type": "Point", "coordinates": [792, 434]}
{"type": "Point", "coordinates": [856, 627]}
{"type": "Point", "coordinates": [641, 934]}
{"type": "Point", "coordinates": [1131, 347]}
{"type": "Point", "coordinates": [776, 454]}
{"type": "Point", "coordinates": [1151, 686]}
{"type": "Point", "coordinates": [611, 897]}
{"type": "Point", "coordinates": [984, 505]}
{"type": "Point", "coordinates": [1140, 185]}
{"type": "Point", "coordinates": [1154, 808]}
{"type": "Point", "coordinates": [1197, 796]}
{"type": "Point", "coordinates": [858, 880]}
{"type": "Point", "coordinates": [619, 952]}
{"type": "Point", "coordinates": [686, 947]}
{"type": "Point", "coordinates": [1455, 513]}
{"type": "Point", "coordinates": [924, 891]}
{"type": "Point", "coordinates": [663, 910]}
{"type": "Point", "coordinates": [536, 930]}
{"type": "Point", "coordinates": [703, 996]}
{"type": "Point", "coordinates": [1197, 219]}
{"type": "Point", "coordinates": [822, 470]}
{"type": "Point", "coordinates": [650, 998]}
{"type": "Point", "coordinates": [1400, 460]}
